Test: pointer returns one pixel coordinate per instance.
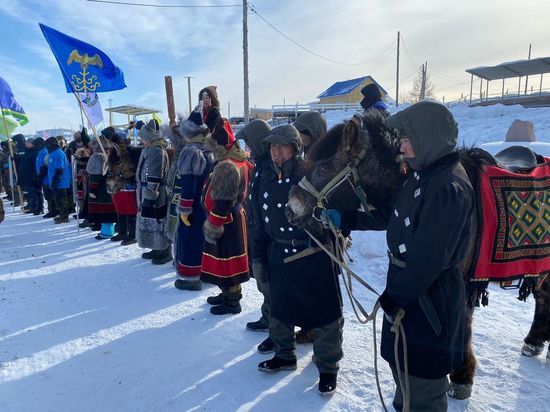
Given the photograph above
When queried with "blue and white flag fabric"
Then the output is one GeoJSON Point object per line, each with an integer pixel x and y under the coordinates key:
{"type": "Point", "coordinates": [90, 103]}
{"type": "Point", "coordinates": [9, 105]}
{"type": "Point", "coordinates": [85, 68]}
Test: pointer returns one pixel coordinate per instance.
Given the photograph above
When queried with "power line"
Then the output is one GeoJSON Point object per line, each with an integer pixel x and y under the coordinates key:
{"type": "Point", "coordinates": [407, 52]}
{"type": "Point", "coordinates": [253, 9]}
{"type": "Point", "coordinates": [181, 6]}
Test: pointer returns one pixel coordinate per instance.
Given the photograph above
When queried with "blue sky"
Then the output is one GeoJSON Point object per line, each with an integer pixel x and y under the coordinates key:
{"type": "Point", "coordinates": [206, 43]}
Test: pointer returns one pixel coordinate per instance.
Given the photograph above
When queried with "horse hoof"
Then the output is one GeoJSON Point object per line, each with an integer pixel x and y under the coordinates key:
{"type": "Point", "coordinates": [531, 350]}
{"type": "Point", "coordinates": [460, 391]}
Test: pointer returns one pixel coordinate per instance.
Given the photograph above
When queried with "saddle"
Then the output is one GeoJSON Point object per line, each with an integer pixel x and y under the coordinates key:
{"type": "Point", "coordinates": [516, 159]}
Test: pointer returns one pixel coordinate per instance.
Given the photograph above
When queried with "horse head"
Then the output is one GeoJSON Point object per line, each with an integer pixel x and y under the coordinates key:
{"type": "Point", "coordinates": [356, 163]}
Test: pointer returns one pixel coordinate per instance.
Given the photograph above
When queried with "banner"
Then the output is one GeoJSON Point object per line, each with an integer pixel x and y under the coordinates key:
{"type": "Point", "coordinates": [10, 106]}
{"type": "Point", "coordinates": [85, 68]}
{"type": "Point", "coordinates": [11, 127]}
{"type": "Point", "coordinates": [90, 103]}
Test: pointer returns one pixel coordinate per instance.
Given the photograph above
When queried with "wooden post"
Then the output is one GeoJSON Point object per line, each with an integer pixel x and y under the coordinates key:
{"type": "Point", "coordinates": [245, 60]}
{"type": "Point", "coordinates": [471, 87]}
{"type": "Point", "coordinates": [397, 72]}
{"type": "Point", "coordinates": [170, 100]}
{"type": "Point", "coordinates": [502, 97]}
{"type": "Point", "coordinates": [527, 77]}
{"type": "Point", "coordinates": [540, 87]}
{"type": "Point", "coordinates": [189, 93]}
{"type": "Point", "coordinates": [487, 91]}
{"type": "Point", "coordinates": [480, 89]}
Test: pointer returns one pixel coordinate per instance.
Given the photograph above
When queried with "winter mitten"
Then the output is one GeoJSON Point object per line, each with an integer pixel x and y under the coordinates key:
{"type": "Point", "coordinates": [185, 207]}
{"type": "Point", "coordinates": [331, 215]}
{"type": "Point", "coordinates": [148, 203]}
{"type": "Point", "coordinates": [260, 271]}
{"type": "Point", "coordinates": [389, 306]}
{"type": "Point", "coordinates": [212, 231]}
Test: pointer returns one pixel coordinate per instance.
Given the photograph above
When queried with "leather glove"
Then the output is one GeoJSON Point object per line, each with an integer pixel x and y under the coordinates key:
{"type": "Point", "coordinates": [259, 271]}
{"type": "Point", "coordinates": [331, 215]}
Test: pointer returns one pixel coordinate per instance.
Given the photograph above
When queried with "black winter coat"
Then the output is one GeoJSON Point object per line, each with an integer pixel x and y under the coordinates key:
{"type": "Point", "coordinates": [305, 292]}
{"type": "Point", "coordinates": [27, 169]}
{"type": "Point", "coordinates": [428, 229]}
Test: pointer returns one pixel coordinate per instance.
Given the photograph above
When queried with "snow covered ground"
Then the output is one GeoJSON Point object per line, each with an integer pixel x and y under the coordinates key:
{"type": "Point", "coordinates": [88, 325]}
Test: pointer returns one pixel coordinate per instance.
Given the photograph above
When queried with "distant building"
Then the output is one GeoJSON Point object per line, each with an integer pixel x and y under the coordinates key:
{"type": "Point", "coordinates": [66, 133]}
{"type": "Point", "coordinates": [348, 91]}
{"type": "Point", "coordinates": [263, 114]}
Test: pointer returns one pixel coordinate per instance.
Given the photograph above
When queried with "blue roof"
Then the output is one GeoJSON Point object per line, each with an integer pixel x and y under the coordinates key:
{"type": "Point", "coordinates": [346, 87]}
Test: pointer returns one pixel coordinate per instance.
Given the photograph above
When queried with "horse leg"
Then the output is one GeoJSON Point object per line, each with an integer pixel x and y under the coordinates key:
{"type": "Point", "coordinates": [540, 328]}
{"type": "Point", "coordinates": [462, 378]}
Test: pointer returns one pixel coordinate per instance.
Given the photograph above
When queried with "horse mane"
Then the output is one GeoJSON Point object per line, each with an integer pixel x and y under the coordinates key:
{"type": "Point", "coordinates": [472, 159]}
{"type": "Point", "coordinates": [326, 146]}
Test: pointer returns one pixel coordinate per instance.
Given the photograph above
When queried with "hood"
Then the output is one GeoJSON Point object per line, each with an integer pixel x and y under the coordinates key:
{"type": "Point", "coordinates": [253, 134]}
{"type": "Point", "coordinates": [312, 124]}
{"type": "Point", "coordinates": [431, 128]}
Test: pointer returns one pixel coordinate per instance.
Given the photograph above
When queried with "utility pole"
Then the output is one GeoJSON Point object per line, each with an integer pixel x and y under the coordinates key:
{"type": "Point", "coordinates": [245, 60]}
{"type": "Point", "coordinates": [110, 113]}
{"type": "Point", "coordinates": [189, 91]}
{"type": "Point", "coordinates": [397, 73]}
{"type": "Point", "coordinates": [423, 83]}
{"type": "Point", "coordinates": [527, 77]}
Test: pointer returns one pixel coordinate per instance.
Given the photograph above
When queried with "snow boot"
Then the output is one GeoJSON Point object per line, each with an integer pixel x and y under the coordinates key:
{"type": "Point", "coordinates": [122, 231]}
{"type": "Point", "coordinates": [188, 284]}
{"type": "Point", "coordinates": [59, 219]}
{"type": "Point", "coordinates": [460, 391]}
{"type": "Point", "coordinates": [305, 336]}
{"type": "Point", "coordinates": [150, 255]}
{"type": "Point", "coordinates": [267, 346]}
{"type": "Point", "coordinates": [127, 242]}
{"type": "Point", "coordinates": [118, 237]}
{"type": "Point", "coordinates": [163, 256]}
{"type": "Point", "coordinates": [258, 326]}
{"type": "Point", "coordinates": [327, 383]}
{"type": "Point", "coordinates": [532, 350]}
{"type": "Point", "coordinates": [52, 213]}
{"type": "Point", "coordinates": [276, 364]}
{"type": "Point", "coordinates": [84, 224]}
{"type": "Point", "coordinates": [215, 300]}
{"type": "Point", "coordinates": [225, 308]}
{"type": "Point", "coordinates": [130, 237]}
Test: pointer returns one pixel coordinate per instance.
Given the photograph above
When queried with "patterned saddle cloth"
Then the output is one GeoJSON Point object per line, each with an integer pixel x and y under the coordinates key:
{"type": "Point", "coordinates": [515, 223]}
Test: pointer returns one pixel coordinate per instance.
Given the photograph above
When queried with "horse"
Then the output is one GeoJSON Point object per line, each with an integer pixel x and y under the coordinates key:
{"type": "Point", "coordinates": [359, 163]}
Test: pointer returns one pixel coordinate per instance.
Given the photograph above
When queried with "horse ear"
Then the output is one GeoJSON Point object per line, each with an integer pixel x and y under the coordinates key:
{"type": "Point", "coordinates": [350, 136]}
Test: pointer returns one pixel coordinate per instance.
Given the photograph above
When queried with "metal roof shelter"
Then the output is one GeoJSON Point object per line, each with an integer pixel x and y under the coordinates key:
{"type": "Point", "coordinates": [130, 110]}
{"type": "Point", "coordinates": [514, 69]}
{"type": "Point", "coordinates": [347, 86]}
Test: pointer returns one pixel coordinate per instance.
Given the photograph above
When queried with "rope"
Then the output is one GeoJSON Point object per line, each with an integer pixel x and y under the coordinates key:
{"type": "Point", "coordinates": [397, 327]}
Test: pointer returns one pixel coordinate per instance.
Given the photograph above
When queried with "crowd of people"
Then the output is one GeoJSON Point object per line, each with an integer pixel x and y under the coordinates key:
{"type": "Point", "coordinates": [218, 214]}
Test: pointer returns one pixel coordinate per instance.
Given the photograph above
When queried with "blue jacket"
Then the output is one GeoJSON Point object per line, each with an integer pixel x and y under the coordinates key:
{"type": "Point", "coordinates": [58, 160]}
{"type": "Point", "coordinates": [40, 161]}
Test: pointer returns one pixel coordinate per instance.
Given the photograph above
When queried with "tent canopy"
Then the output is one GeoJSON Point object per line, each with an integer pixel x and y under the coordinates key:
{"type": "Point", "coordinates": [518, 68]}
{"type": "Point", "coordinates": [132, 110]}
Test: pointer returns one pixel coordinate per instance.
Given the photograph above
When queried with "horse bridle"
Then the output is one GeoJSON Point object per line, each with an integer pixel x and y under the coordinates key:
{"type": "Point", "coordinates": [350, 174]}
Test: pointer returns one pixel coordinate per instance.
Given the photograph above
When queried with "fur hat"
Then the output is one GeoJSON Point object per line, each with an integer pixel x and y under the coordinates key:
{"type": "Point", "coordinates": [285, 134]}
{"type": "Point", "coordinates": [151, 131]}
{"type": "Point", "coordinates": [211, 91]}
{"type": "Point", "coordinates": [311, 124]}
{"type": "Point", "coordinates": [139, 124]}
{"type": "Point", "coordinates": [371, 92]}
{"type": "Point", "coordinates": [253, 135]}
{"type": "Point", "coordinates": [521, 131]}
{"type": "Point", "coordinates": [108, 132]}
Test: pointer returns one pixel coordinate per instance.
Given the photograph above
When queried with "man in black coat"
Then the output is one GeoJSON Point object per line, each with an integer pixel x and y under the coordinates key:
{"type": "Point", "coordinates": [428, 231]}
{"type": "Point", "coordinates": [28, 179]}
{"type": "Point", "coordinates": [304, 288]}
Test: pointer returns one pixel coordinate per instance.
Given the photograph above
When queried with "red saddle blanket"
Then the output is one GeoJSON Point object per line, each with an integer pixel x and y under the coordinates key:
{"type": "Point", "coordinates": [515, 234]}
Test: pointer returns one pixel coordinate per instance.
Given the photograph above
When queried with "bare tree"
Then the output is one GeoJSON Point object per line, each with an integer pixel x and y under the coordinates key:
{"type": "Point", "coordinates": [422, 86]}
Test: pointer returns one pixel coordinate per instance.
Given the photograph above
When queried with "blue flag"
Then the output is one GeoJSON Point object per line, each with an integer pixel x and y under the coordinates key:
{"type": "Point", "coordinates": [9, 105]}
{"type": "Point", "coordinates": [85, 68]}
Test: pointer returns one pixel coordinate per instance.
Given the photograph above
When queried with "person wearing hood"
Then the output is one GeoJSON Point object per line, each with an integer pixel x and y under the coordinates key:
{"type": "Point", "coordinates": [207, 112]}
{"type": "Point", "coordinates": [152, 195]}
{"type": "Point", "coordinates": [225, 254]}
{"type": "Point", "coordinates": [40, 173]}
{"type": "Point", "coordinates": [192, 168]}
{"type": "Point", "coordinates": [27, 179]}
{"type": "Point", "coordinates": [312, 126]}
{"type": "Point", "coordinates": [428, 230]}
{"type": "Point", "coordinates": [59, 179]}
{"type": "Point", "coordinates": [80, 140]}
{"type": "Point", "coordinates": [372, 99]}
{"type": "Point", "coordinates": [253, 135]}
{"type": "Point", "coordinates": [303, 282]}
